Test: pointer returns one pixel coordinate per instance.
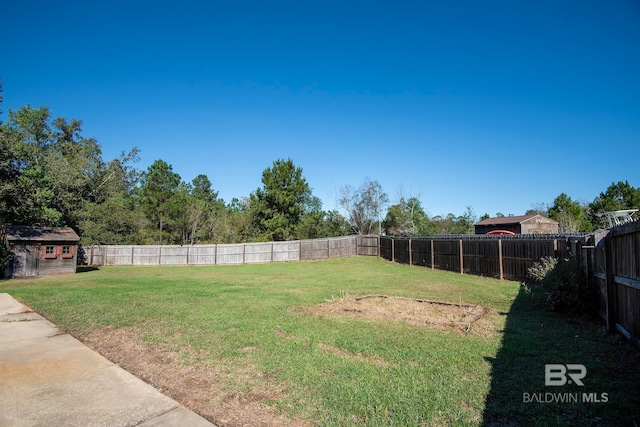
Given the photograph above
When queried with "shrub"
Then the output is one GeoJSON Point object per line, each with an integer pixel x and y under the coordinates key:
{"type": "Point", "coordinates": [563, 284]}
{"type": "Point", "coordinates": [5, 254]}
{"type": "Point", "coordinates": [540, 269]}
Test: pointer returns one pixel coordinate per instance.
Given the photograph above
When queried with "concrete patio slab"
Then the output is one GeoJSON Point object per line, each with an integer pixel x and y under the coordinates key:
{"type": "Point", "coordinates": [50, 378]}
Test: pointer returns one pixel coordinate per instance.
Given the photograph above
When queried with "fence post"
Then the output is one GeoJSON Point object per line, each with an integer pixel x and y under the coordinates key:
{"type": "Point", "coordinates": [611, 291]}
{"type": "Point", "coordinates": [461, 259]}
{"type": "Point", "coordinates": [328, 249]}
{"type": "Point", "coordinates": [187, 255]}
{"type": "Point", "coordinates": [433, 256]}
{"type": "Point", "coordinates": [159, 255]}
{"type": "Point", "coordinates": [215, 254]}
{"type": "Point", "coordinates": [393, 249]}
{"type": "Point", "coordinates": [91, 256]}
{"type": "Point", "coordinates": [132, 248]}
{"type": "Point", "coordinates": [500, 259]}
{"type": "Point", "coordinates": [410, 260]}
{"type": "Point", "coordinates": [271, 251]}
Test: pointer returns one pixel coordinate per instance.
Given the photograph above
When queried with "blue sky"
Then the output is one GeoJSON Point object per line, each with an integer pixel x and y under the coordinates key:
{"type": "Point", "coordinates": [497, 105]}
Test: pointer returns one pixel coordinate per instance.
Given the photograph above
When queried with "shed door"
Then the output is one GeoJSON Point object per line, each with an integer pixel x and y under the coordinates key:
{"type": "Point", "coordinates": [25, 261]}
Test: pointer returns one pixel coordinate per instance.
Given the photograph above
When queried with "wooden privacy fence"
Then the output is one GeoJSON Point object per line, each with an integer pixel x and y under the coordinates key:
{"type": "Point", "coordinates": [241, 253]}
{"type": "Point", "coordinates": [611, 257]}
{"type": "Point", "coordinates": [613, 264]}
{"type": "Point", "coordinates": [503, 257]}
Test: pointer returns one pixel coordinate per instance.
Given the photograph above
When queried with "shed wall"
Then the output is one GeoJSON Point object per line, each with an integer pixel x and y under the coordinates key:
{"type": "Point", "coordinates": [28, 260]}
{"type": "Point", "coordinates": [540, 228]}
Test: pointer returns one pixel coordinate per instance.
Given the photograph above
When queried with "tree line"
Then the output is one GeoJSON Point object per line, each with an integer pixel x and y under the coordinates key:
{"type": "Point", "coordinates": [52, 175]}
{"type": "Point", "coordinates": [407, 218]}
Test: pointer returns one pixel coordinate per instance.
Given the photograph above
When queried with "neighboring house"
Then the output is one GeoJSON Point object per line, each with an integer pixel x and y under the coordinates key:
{"type": "Point", "coordinates": [41, 251]}
{"type": "Point", "coordinates": [523, 224]}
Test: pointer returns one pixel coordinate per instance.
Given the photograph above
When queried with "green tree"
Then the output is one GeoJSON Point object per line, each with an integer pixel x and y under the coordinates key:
{"type": "Point", "coordinates": [204, 210]}
{"type": "Point", "coordinates": [195, 206]}
{"type": "Point", "coordinates": [202, 190]}
{"type": "Point", "coordinates": [74, 165]}
{"type": "Point", "coordinates": [618, 196]}
{"type": "Point", "coordinates": [237, 223]}
{"type": "Point", "coordinates": [6, 257]}
{"type": "Point", "coordinates": [112, 214]}
{"type": "Point", "coordinates": [310, 226]}
{"type": "Point", "coordinates": [407, 218]}
{"type": "Point", "coordinates": [570, 214]}
{"type": "Point", "coordinates": [185, 217]}
{"type": "Point", "coordinates": [34, 199]}
{"type": "Point", "coordinates": [442, 224]}
{"type": "Point", "coordinates": [538, 208]}
{"type": "Point", "coordinates": [316, 223]}
{"type": "Point", "coordinates": [364, 206]}
{"type": "Point", "coordinates": [282, 201]}
{"type": "Point", "coordinates": [33, 131]}
{"type": "Point", "coordinates": [320, 224]}
{"type": "Point", "coordinates": [157, 190]}
{"type": "Point", "coordinates": [25, 194]}
{"type": "Point", "coordinates": [47, 168]}
{"type": "Point", "coordinates": [50, 174]}
{"type": "Point", "coordinates": [335, 224]}
{"type": "Point", "coordinates": [463, 224]}
{"type": "Point", "coordinates": [452, 224]}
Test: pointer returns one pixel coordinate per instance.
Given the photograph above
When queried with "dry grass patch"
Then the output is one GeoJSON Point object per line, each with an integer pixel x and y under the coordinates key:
{"type": "Point", "coordinates": [420, 312]}
{"type": "Point", "coordinates": [338, 352]}
{"type": "Point", "coordinates": [199, 387]}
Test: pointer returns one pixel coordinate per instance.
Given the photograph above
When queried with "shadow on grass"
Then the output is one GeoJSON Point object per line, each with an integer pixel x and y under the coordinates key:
{"type": "Point", "coordinates": [534, 337]}
{"type": "Point", "coordinates": [86, 268]}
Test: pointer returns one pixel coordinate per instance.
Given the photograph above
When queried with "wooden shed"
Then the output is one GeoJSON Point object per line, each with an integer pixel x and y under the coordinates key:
{"type": "Point", "coordinates": [522, 224]}
{"type": "Point", "coordinates": [41, 251]}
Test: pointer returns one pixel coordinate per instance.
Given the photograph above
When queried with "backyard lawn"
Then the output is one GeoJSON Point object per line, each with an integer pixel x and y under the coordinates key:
{"type": "Point", "coordinates": [297, 344]}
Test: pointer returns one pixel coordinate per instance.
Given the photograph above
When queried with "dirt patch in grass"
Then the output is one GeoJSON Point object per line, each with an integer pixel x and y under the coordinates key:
{"type": "Point", "coordinates": [338, 352]}
{"type": "Point", "coordinates": [437, 314]}
{"type": "Point", "coordinates": [199, 387]}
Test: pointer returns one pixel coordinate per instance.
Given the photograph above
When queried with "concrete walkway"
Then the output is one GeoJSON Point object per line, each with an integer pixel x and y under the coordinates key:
{"type": "Point", "coordinates": [48, 378]}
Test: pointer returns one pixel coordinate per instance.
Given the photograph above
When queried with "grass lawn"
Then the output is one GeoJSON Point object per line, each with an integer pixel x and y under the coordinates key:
{"type": "Point", "coordinates": [245, 344]}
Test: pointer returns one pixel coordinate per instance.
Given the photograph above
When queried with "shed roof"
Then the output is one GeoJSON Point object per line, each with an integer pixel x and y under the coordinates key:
{"type": "Point", "coordinates": [520, 219]}
{"type": "Point", "coordinates": [26, 233]}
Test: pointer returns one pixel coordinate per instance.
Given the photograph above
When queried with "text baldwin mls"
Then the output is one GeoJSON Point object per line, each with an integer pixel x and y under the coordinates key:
{"type": "Point", "coordinates": [565, 397]}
